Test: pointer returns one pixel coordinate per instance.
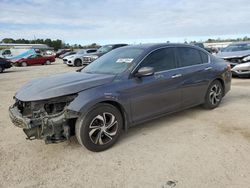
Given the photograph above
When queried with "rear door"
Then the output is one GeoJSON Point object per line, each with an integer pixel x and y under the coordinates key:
{"type": "Point", "coordinates": [195, 68]}
{"type": "Point", "coordinates": [159, 93]}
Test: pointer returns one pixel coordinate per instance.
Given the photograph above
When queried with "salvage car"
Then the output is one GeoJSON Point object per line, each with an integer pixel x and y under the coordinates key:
{"type": "Point", "coordinates": [35, 59]}
{"type": "Point", "coordinates": [77, 59]}
{"type": "Point", "coordinates": [238, 55]}
{"type": "Point", "coordinates": [4, 64]}
{"type": "Point", "coordinates": [87, 59]}
{"type": "Point", "coordinates": [128, 86]}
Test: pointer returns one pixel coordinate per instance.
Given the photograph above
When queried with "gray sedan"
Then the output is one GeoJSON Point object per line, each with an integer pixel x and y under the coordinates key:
{"type": "Point", "coordinates": [238, 55]}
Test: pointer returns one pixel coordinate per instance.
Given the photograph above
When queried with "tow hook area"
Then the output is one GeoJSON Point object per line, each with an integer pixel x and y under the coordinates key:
{"type": "Point", "coordinates": [53, 129]}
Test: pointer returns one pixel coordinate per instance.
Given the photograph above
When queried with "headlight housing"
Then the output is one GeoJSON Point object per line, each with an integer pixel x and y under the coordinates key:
{"type": "Point", "coordinates": [247, 58]}
{"type": "Point", "coordinates": [58, 104]}
{"type": "Point", "coordinates": [94, 57]}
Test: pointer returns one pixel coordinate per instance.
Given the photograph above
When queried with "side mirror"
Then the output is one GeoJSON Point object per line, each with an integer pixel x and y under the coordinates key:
{"type": "Point", "coordinates": [145, 71]}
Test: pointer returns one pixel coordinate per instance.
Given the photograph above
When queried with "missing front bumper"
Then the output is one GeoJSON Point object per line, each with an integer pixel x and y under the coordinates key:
{"type": "Point", "coordinates": [52, 129]}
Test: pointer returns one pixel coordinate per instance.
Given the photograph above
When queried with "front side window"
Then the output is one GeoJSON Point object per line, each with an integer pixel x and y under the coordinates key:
{"type": "Point", "coordinates": [160, 60]}
{"type": "Point", "coordinates": [189, 56]}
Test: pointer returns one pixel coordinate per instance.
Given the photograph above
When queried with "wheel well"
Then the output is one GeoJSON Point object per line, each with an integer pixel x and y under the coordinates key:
{"type": "Point", "coordinates": [222, 83]}
{"type": "Point", "coordinates": [122, 111]}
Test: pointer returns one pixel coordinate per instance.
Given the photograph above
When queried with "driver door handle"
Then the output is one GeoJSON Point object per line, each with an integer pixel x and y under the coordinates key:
{"type": "Point", "coordinates": [208, 68]}
{"type": "Point", "coordinates": [176, 76]}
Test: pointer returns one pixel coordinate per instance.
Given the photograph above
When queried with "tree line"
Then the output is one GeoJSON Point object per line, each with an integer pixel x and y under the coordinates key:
{"type": "Point", "coordinates": [56, 44]}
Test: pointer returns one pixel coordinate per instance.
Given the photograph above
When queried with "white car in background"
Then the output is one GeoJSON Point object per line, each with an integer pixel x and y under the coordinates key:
{"type": "Point", "coordinates": [77, 59]}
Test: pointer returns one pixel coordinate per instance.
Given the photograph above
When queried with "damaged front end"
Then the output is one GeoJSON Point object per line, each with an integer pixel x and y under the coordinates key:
{"type": "Point", "coordinates": [47, 119]}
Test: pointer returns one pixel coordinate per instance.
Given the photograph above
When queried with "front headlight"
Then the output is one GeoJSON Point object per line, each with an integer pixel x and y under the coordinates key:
{"type": "Point", "coordinates": [247, 58]}
{"type": "Point", "coordinates": [94, 57]}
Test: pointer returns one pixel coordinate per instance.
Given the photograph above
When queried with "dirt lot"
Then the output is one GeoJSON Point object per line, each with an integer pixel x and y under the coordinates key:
{"type": "Point", "coordinates": [193, 148]}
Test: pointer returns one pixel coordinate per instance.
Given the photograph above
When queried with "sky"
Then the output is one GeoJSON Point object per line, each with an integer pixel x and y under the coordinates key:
{"type": "Point", "coordinates": [129, 21]}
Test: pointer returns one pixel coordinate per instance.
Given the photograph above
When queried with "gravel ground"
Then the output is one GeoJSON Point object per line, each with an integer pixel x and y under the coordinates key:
{"type": "Point", "coordinates": [192, 148]}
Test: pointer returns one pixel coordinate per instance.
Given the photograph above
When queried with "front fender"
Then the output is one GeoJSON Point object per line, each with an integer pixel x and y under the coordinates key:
{"type": "Point", "coordinates": [87, 99]}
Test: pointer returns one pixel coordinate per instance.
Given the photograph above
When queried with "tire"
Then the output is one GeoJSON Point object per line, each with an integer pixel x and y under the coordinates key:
{"type": "Point", "coordinates": [214, 95]}
{"type": "Point", "coordinates": [47, 62]}
{"type": "Point", "coordinates": [24, 64]}
{"type": "Point", "coordinates": [1, 69]}
{"type": "Point", "coordinates": [78, 63]}
{"type": "Point", "coordinates": [90, 131]}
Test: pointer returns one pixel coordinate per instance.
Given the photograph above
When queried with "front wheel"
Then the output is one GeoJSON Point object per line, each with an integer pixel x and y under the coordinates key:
{"type": "Point", "coordinates": [214, 95]}
{"type": "Point", "coordinates": [100, 128]}
{"type": "Point", "coordinates": [78, 63]}
{"type": "Point", "coordinates": [1, 69]}
{"type": "Point", "coordinates": [24, 64]}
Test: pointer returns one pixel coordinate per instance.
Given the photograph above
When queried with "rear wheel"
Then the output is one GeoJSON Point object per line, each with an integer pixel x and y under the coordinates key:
{"type": "Point", "coordinates": [1, 69]}
{"type": "Point", "coordinates": [47, 62]}
{"type": "Point", "coordinates": [24, 64]}
{"type": "Point", "coordinates": [100, 128]}
{"type": "Point", "coordinates": [214, 95]}
{"type": "Point", "coordinates": [78, 63]}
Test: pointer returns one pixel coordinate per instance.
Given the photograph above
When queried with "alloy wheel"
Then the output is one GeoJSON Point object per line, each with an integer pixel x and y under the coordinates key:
{"type": "Point", "coordinates": [215, 94]}
{"type": "Point", "coordinates": [103, 128]}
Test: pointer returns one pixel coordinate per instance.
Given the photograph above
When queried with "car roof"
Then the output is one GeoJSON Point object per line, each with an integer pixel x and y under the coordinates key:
{"type": "Point", "coordinates": [160, 45]}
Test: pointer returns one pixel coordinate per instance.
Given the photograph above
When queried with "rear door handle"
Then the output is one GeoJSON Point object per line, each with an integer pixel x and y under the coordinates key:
{"type": "Point", "coordinates": [176, 76]}
{"type": "Point", "coordinates": [208, 68]}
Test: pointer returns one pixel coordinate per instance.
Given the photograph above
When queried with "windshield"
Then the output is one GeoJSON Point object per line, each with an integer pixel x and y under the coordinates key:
{"type": "Point", "coordinates": [237, 47]}
{"type": "Point", "coordinates": [105, 49]}
{"type": "Point", "coordinates": [114, 62]}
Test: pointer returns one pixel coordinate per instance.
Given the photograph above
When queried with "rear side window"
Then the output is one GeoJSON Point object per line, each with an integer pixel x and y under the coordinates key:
{"type": "Point", "coordinates": [204, 57]}
{"type": "Point", "coordinates": [160, 60]}
{"type": "Point", "coordinates": [189, 56]}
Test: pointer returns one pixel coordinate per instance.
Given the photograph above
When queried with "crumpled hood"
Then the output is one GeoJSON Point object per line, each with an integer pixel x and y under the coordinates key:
{"type": "Point", "coordinates": [239, 54]}
{"type": "Point", "coordinates": [60, 85]}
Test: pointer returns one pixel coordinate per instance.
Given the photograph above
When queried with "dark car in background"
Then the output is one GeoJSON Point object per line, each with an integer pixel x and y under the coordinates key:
{"type": "Point", "coordinates": [87, 59]}
{"type": "Point", "coordinates": [238, 55]}
{"type": "Point", "coordinates": [4, 64]}
{"type": "Point", "coordinates": [125, 87]}
{"type": "Point", "coordinates": [62, 51]}
{"type": "Point", "coordinates": [67, 54]}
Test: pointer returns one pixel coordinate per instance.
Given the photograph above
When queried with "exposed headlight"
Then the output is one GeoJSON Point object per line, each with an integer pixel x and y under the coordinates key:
{"type": "Point", "coordinates": [57, 105]}
{"type": "Point", "coordinates": [247, 58]}
{"type": "Point", "coordinates": [70, 57]}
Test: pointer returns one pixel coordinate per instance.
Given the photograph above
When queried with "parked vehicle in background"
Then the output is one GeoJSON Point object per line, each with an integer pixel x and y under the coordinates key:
{"type": "Point", "coordinates": [77, 59]}
{"type": "Point", "coordinates": [5, 53]}
{"type": "Point", "coordinates": [4, 64]}
{"type": "Point", "coordinates": [34, 60]}
{"type": "Point", "coordinates": [238, 55]}
{"type": "Point", "coordinates": [49, 52]}
{"type": "Point", "coordinates": [87, 59]}
{"type": "Point", "coordinates": [62, 51]}
{"type": "Point", "coordinates": [124, 87]}
{"type": "Point", "coordinates": [66, 54]}
{"type": "Point", "coordinates": [201, 45]}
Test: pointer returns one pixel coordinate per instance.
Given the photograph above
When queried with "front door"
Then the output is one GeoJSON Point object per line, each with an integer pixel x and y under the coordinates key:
{"type": "Point", "coordinates": [159, 93]}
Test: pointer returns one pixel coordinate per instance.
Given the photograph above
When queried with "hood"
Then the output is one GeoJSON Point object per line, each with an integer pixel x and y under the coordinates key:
{"type": "Point", "coordinates": [74, 56]}
{"type": "Point", "coordinates": [61, 85]}
{"type": "Point", "coordinates": [239, 54]}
